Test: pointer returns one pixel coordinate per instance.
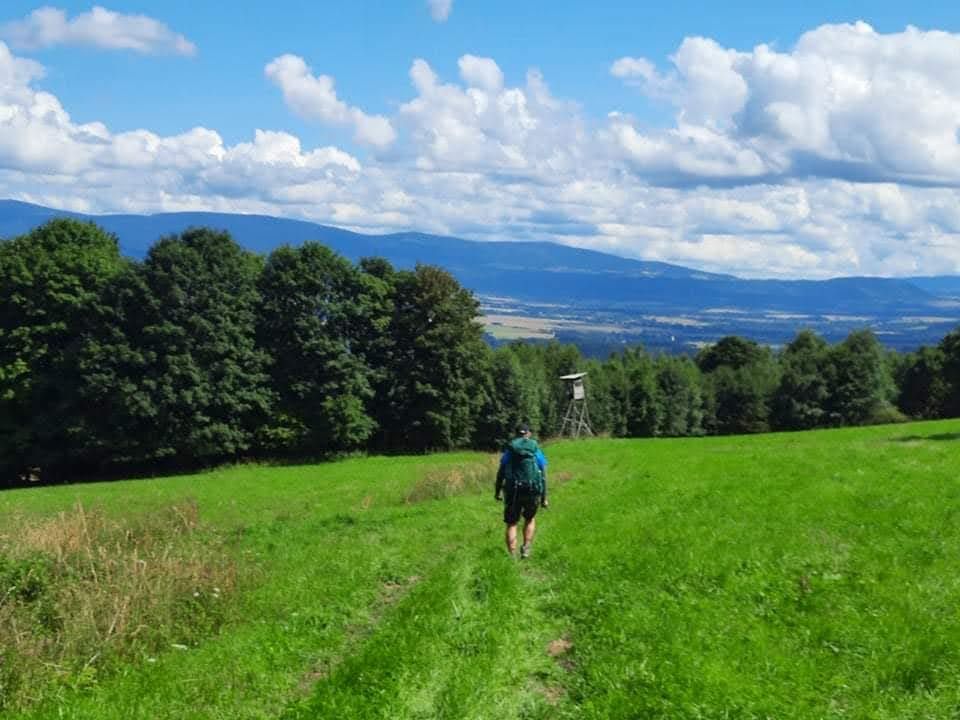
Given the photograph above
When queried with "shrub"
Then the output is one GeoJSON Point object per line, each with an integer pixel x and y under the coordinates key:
{"type": "Point", "coordinates": [886, 414]}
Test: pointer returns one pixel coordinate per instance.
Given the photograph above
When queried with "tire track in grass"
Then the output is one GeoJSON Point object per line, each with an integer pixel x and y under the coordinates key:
{"type": "Point", "coordinates": [468, 641]}
{"type": "Point", "coordinates": [391, 592]}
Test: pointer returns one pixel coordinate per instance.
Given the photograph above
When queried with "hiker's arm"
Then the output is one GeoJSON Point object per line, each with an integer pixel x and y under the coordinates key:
{"type": "Point", "coordinates": [498, 488]}
{"type": "Point", "coordinates": [542, 464]}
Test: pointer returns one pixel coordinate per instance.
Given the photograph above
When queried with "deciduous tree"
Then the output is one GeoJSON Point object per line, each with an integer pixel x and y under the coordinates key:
{"type": "Point", "coordinates": [181, 373]}
{"type": "Point", "coordinates": [312, 321]}
{"type": "Point", "coordinates": [861, 384]}
{"type": "Point", "coordinates": [51, 281]}
{"type": "Point", "coordinates": [437, 362]}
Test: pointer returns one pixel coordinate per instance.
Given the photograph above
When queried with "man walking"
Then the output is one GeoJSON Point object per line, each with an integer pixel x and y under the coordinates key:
{"type": "Point", "coordinates": [522, 484]}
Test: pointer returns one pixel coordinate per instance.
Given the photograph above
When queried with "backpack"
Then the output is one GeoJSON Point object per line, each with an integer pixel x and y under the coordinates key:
{"type": "Point", "coordinates": [522, 472]}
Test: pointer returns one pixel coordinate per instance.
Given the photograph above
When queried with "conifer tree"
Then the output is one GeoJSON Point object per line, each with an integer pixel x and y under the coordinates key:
{"type": "Point", "coordinates": [680, 391]}
{"type": "Point", "coordinates": [950, 348]}
{"type": "Point", "coordinates": [922, 387]}
{"type": "Point", "coordinates": [643, 409]}
{"type": "Point", "coordinates": [558, 360]}
{"type": "Point", "coordinates": [506, 401]}
{"type": "Point", "coordinates": [801, 398]}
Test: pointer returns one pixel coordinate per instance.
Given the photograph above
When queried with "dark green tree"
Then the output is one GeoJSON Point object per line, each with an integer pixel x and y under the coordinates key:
{"type": "Point", "coordinates": [313, 320]}
{"type": "Point", "coordinates": [530, 359]}
{"type": "Point", "coordinates": [617, 379]}
{"type": "Point", "coordinates": [741, 376]}
{"type": "Point", "coordinates": [950, 347]}
{"type": "Point", "coordinates": [507, 403]}
{"type": "Point", "coordinates": [376, 343]}
{"type": "Point", "coordinates": [739, 398]}
{"type": "Point", "coordinates": [558, 360]}
{"type": "Point", "coordinates": [600, 388]}
{"type": "Point", "coordinates": [437, 362]}
{"type": "Point", "coordinates": [861, 384]}
{"type": "Point", "coordinates": [643, 413]}
{"type": "Point", "coordinates": [181, 374]}
{"type": "Point", "coordinates": [680, 394]}
{"type": "Point", "coordinates": [112, 366]}
{"type": "Point", "coordinates": [800, 401]}
{"type": "Point", "coordinates": [51, 282]}
{"type": "Point", "coordinates": [922, 387]}
{"type": "Point", "coordinates": [731, 352]}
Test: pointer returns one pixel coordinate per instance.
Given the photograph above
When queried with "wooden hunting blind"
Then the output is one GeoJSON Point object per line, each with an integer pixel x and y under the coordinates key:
{"type": "Point", "coordinates": [576, 421]}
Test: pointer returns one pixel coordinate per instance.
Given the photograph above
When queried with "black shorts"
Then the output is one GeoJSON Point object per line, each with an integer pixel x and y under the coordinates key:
{"type": "Point", "coordinates": [520, 503]}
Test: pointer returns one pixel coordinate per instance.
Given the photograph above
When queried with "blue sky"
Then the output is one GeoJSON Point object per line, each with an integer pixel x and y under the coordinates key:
{"type": "Point", "coordinates": [807, 139]}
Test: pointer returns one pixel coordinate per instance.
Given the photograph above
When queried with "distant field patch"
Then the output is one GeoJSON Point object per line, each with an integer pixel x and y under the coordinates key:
{"type": "Point", "coordinates": [515, 327]}
{"type": "Point", "coordinates": [512, 327]}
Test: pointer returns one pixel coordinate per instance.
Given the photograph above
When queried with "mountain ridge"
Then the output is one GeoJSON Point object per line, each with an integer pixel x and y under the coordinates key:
{"type": "Point", "coordinates": [547, 280]}
{"type": "Point", "coordinates": [17, 217]}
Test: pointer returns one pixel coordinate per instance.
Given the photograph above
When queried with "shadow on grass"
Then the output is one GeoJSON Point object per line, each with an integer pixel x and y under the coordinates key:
{"type": "Point", "coordinates": [941, 436]}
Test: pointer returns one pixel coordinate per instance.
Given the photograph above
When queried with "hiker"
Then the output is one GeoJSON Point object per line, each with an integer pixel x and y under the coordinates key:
{"type": "Point", "coordinates": [523, 476]}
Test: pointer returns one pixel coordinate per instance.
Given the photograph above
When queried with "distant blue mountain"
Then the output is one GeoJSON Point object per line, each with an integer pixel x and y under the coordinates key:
{"type": "Point", "coordinates": [534, 272]}
{"type": "Point", "coordinates": [262, 234]}
{"type": "Point", "coordinates": [943, 285]}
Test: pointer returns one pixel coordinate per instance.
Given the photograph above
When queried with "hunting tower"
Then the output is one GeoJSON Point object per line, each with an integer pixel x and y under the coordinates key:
{"type": "Point", "coordinates": [576, 421]}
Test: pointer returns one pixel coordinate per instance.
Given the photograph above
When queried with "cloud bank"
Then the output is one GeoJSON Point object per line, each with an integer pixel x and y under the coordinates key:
{"type": "Point", "coordinates": [101, 28]}
{"type": "Point", "coordinates": [837, 156]}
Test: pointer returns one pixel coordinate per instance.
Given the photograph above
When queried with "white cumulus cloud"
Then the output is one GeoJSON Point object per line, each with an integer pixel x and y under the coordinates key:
{"type": "Point", "coordinates": [482, 73]}
{"type": "Point", "coordinates": [485, 126]}
{"type": "Point", "coordinates": [44, 153]}
{"type": "Point", "coordinates": [845, 102]}
{"type": "Point", "coordinates": [314, 97]}
{"type": "Point", "coordinates": [102, 28]}
{"type": "Point", "coordinates": [17, 72]}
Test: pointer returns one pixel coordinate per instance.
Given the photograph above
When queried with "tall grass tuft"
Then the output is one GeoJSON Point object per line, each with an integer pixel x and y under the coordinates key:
{"type": "Point", "coordinates": [444, 482]}
{"type": "Point", "coordinates": [80, 593]}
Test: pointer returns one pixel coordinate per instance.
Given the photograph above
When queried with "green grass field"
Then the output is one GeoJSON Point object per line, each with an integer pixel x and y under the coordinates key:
{"type": "Point", "coordinates": [808, 575]}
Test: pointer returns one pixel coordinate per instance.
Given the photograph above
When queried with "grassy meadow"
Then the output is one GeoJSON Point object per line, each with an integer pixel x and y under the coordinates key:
{"type": "Point", "coordinates": [806, 575]}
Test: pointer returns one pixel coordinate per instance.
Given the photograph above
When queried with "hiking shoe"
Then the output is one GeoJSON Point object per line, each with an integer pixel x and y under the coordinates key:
{"type": "Point", "coordinates": [524, 552]}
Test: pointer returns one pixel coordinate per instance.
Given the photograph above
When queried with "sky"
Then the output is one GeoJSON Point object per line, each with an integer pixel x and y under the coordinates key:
{"type": "Point", "coordinates": [799, 140]}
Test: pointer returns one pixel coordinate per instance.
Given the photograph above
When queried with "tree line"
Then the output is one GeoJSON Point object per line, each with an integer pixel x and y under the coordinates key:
{"type": "Point", "coordinates": [204, 352]}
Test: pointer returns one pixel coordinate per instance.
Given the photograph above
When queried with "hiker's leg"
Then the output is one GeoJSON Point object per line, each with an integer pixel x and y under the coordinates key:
{"type": "Point", "coordinates": [529, 529]}
{"type": "Point", "coordinates": [512, 538]}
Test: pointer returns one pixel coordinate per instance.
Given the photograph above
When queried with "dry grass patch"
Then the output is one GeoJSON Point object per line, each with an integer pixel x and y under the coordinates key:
{"type": "Point", "coordinates": [439, 483]}
{"type": "Point", "coordinates": [559, 647]}
{"type": "Point", "coordinates": [80, 592]}
{"type": "Point", "coordinates": [480, 476]}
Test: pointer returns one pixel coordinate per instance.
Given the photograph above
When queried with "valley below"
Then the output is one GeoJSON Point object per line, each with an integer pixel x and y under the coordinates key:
{"type": "Point", "coordinates": [599, 330]}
